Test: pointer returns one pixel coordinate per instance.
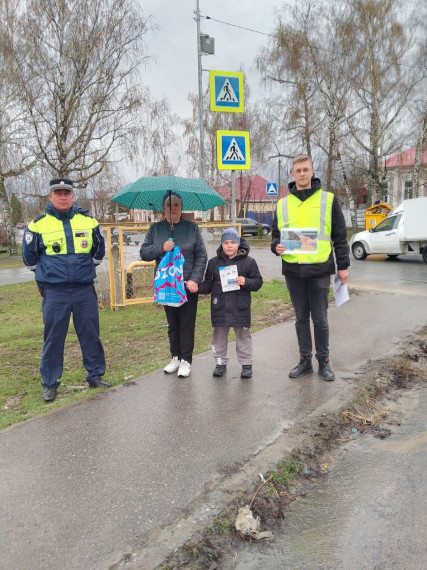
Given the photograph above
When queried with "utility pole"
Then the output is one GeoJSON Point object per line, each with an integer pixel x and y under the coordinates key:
{"type": "Point", "coordinates": [207, 48]}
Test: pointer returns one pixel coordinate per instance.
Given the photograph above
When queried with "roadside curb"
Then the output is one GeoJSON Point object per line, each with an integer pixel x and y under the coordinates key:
{"type": "Point", "coordinates": [196, 536]}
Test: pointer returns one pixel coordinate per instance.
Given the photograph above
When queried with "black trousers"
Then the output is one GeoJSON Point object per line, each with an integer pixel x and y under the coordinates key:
{"type": "Point", "coordinates": [181, 325]}
{"type": "Point", "coordinates": [309, 296]}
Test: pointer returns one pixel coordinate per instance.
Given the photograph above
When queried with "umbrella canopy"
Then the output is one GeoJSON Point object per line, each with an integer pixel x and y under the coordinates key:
{"type": "Point", "coordinates": [147, 193]}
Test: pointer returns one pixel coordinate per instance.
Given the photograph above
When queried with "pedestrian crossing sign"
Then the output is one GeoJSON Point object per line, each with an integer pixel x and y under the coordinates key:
{"type": "Point", "coordinates": [271, 188]}
{"type": "Point", "coordinates": [226, 89]}
{"type": "Point", "coordinates": [233, 151]}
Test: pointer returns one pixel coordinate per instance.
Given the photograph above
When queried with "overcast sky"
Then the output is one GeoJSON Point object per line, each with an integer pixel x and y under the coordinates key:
{"type": "Point", "coordinates": [174, 73]}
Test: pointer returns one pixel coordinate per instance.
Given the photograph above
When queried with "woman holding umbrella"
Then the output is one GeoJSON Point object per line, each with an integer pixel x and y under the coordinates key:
{"type": "Point", "coordinates": [160, 238]}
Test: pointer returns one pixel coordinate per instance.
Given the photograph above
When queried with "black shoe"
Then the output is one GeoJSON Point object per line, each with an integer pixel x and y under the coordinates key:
{"type": "Point", "coordinates": [49, 394]}
{"type": "Point", "coordinates": [98, 384]}
{"type": "Point", "coordinates": [246, 371]}
{"type": "Point", "coordinates": [325, 371]}
{"type": "Point", "coordinates": [304, 366]}
{"type": "Point", "coordinates": [220, 370]}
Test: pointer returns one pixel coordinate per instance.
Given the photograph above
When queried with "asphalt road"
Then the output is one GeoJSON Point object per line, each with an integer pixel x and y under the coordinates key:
{"type": "Point", "coordinates": [130, 470]}
{"type": "Point", "coordinates": [407, 274]}
{"type": "Point", "coordinates": [369, 513]}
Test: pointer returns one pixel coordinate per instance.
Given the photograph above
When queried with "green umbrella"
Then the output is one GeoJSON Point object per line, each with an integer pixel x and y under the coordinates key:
{"type": "Point", "coordinates": [147, 193]}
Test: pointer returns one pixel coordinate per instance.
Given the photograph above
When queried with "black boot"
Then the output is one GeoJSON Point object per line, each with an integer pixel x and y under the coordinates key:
{"type": "Point", "coordinates": [303, 367]}
{"type": "Point", "coordinates": [246, 371]}
{"type": "Point", "coordinates": [220, 370]}
{"type": "Point", "coordinates": [49, 394]}
{"type": "Point", "coordinates": [325, 371]}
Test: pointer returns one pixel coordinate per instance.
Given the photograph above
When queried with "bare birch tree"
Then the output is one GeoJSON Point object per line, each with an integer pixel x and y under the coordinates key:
{"type": "Point", "coordinates": [288, 62]}
{"type": "Point", "coordinates": [383, 82]}
{"type": "Point", "coordinates": [80, 64]}
{"type": "Point", "coordinates": [17, 152]}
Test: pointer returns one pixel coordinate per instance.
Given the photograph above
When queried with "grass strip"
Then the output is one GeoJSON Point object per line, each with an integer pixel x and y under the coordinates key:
{"type": "Point", "coordinates": [135, 342]}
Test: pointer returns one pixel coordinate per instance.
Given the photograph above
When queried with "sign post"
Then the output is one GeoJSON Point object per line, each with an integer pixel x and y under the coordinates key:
{"type": "Point", "coordinates": [271, 190]}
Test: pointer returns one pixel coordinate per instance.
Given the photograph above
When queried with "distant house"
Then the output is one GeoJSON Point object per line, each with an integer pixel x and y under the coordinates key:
{"type": "Point", "coordinates": [251, 198]}
{"type": "Point", "coordinates": [399, 168]}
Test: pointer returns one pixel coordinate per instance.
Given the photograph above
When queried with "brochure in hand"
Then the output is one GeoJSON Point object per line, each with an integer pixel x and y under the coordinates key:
{"type": "Point", "coordinates": [340, 291]}
{"type": "Point", "coordinates": [299, 240]}
{"type": "Point", "coordinates": [228, 276]}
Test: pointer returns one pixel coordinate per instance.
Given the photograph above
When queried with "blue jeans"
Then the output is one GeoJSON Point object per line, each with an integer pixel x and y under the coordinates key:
{"type": "Point", "coordinates": [309, 296]}
{"type": "Point", "coordinates": [58, 304]}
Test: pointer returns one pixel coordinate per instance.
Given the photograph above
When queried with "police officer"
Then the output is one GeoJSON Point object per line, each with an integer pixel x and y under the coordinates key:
{"type": "Point", "coordinates": [63, 247]}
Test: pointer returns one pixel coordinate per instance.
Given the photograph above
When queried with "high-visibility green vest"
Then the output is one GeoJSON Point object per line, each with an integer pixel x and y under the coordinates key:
{"type": "Point", "coordinates": [53, 234]}
{"type": "Point", "coordinates": [314, 212]}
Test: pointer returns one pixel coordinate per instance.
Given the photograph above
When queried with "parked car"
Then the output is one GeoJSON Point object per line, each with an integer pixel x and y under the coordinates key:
{"type": "Point", "coordinates": [250, 226]}
{"type": "Point", "coordinates": [21, 226]}
{"type": "Point", "coordinates": [128, 237]}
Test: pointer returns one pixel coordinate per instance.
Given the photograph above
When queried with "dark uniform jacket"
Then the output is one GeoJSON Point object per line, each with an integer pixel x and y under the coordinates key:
{"type": "Point", "coordinates": [233, 308]}
{"type": "Point", "coordinates": [187, 236]}
{"type": "Point", "coordinates": [338, 238]}
{"type": "Point", "coordinates": [63, 248]}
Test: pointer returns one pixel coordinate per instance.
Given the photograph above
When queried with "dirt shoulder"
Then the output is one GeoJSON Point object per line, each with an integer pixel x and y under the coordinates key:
{"type": "Point", "coordinates": [205, 536]}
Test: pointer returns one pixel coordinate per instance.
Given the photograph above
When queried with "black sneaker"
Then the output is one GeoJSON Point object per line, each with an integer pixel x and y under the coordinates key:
{"type": "Point", "coordinates": [325, 371]}
{"type": "Point", "coordinates": [304, 366]}
{"type": "Point", "coordinates": [246, 371]}
{"type": "Point", "coordinates": [98, 384]}
{"type": "Point", "coordinates": [220, 370]}
{"type": "Point", "coordinates": [49, 394]}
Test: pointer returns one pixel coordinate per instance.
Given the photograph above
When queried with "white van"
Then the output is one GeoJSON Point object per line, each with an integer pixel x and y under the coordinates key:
{"type": "Point", "coordinates": [404, 231]}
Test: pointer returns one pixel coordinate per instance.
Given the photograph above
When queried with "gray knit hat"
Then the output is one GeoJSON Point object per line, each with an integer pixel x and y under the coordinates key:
{"type": "Point", "coordinates": [230, 234]}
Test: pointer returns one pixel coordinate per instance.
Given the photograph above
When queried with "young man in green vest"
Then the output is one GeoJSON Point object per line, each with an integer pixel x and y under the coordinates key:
{"type": "Point", "coordinates": [308, 265]}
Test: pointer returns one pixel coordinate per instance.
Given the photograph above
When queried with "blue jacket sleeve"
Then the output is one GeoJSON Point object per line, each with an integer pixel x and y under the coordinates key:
{"type": "Point", "coordinates": [98, 245]}
{"type": "Point", "coordinates": [30, 249]}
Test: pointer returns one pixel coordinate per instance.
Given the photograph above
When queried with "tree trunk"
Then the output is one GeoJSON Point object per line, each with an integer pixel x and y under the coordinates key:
{"type": "Point", "coordinates": [421, 145]}
{"type": "Point", "coordinates": [7, 217]}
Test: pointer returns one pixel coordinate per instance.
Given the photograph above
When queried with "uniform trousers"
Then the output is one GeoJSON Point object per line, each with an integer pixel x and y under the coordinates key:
{"type": "Point", "coordinates": [243, 344]}
{"type": "Point", "coordinates": [181, 325]}
{"type": "Point", "coordinates": [309, 296]}
{"type": "Point", "coordinates": [59, 301]}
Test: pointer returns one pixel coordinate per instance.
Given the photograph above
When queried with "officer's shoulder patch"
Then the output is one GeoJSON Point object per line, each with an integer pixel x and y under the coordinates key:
{"type": "Point", "coordinates": [28, 237]}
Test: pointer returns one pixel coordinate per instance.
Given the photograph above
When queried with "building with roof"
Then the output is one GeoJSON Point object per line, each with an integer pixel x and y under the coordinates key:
{"type": "Point", "coordinates": [399, 168]}
{"type": "Point", "coordinates": [251, 198]}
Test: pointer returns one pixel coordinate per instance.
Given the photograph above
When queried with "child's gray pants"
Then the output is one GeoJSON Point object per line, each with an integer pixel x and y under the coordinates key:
{"type": "Point", "coordinates": [243, 344]}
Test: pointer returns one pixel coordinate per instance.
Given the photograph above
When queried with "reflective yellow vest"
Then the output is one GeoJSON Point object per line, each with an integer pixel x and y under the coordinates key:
{"type": "Point", "coordinates": [314, 212]}
{"type": "Point", "coordinates": [53, 234]}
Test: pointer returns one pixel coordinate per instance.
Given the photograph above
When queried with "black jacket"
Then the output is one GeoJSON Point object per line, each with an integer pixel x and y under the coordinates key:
{"type": "Point", "coordinates": [233, 308]}
{"type": "Point", "coordinates": [187, 235]}
{"type": "Point", "coordinates": [338, 238]}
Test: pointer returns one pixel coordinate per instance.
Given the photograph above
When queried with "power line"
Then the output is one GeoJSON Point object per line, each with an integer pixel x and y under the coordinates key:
{"type": "Point", "coordinates": [241, 27]}
{"type": "Point", "coordinates": [307, 45]}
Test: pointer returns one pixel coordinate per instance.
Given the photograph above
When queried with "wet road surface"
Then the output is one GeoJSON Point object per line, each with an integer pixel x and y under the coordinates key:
{"type": "Point", "coordinates": [370, 511]}
{"type": "Point", "coordinates": [82, 484]}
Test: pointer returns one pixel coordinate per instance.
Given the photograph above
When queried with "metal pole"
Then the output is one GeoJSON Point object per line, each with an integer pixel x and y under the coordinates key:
{"type": "Point", "coordinates": [233, 195]}
{"type": "Point", "coordinates": [201, 127]}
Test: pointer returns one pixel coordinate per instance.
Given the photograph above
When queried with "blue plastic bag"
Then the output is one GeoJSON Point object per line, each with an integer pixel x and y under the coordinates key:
{"type": "Point", "coordinates": [169, 288]}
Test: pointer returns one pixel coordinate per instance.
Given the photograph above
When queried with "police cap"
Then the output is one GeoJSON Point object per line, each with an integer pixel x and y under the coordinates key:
{"type": "Point", "coordinates": [61, 184]}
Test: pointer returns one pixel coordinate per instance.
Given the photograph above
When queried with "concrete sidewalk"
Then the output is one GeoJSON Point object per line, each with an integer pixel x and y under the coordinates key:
{"type": "Point", "coordinates": [82, 485]}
